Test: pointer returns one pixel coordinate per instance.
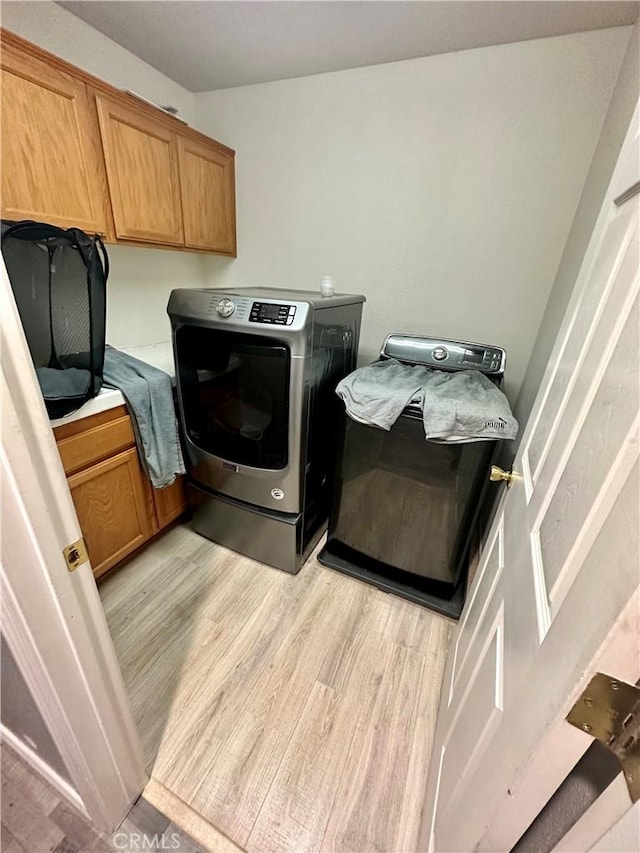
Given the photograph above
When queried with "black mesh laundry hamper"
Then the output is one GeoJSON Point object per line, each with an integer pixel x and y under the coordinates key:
{"type": "Point", "coordinates": [59, 280]}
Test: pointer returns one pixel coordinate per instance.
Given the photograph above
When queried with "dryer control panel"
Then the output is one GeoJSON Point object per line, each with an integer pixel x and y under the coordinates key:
{"type": "Point", "coordinates": [272, 313]}
{"type": "Point", "coordinates": [445, 354]}
{"type": "Point", "coordinates": [232, 310]}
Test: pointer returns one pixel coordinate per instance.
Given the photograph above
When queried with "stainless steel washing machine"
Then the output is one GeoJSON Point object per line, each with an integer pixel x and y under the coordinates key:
{"type": "Point", "coordinates": [403, 508]}
{"type": "Point", "coordinates": [256, 371]}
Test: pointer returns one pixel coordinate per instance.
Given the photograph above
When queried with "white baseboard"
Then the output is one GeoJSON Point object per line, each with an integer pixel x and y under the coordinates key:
{"type": "Point", "coordinates": [43, 769]}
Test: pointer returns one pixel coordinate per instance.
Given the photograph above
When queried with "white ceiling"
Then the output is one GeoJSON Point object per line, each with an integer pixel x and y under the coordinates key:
{"type": "Point", "coordinates": [225, 43]}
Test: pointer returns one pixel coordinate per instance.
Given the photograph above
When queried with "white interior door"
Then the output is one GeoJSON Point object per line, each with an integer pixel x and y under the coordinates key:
{"type": "Point", "coordinates": [556, 593]}
{"type": "Point", "coordinates": [52, 619]}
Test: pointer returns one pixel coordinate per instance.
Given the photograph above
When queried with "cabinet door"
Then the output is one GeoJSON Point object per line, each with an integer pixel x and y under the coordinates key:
{"type": "Point", "coordinates": [207, 182]}
{"type": "Point", "coordinates": [142, 171]}
{"type": "Point", "coordinates": [114, 509]}
{"type": "Point", "coordinates": [170, 502]}
{"type": "Point", "coordinates": [51, 159]}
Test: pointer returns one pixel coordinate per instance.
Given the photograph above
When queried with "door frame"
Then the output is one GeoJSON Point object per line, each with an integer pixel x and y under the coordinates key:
{"type": "Point", "coordinates": [52, 618]}
{"type": "Point", "coordinates": [602, 815]}
{"type": "Point", "coordinates": [618, 655]}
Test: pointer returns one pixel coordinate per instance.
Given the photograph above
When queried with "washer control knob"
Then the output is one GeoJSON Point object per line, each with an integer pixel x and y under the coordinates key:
{"type": "Point", "coordinates": [440, 353]}
{"type": "Point", "coordinates": [225, 307]}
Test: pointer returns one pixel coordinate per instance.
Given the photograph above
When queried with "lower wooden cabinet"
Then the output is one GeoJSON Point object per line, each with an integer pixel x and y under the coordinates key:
{"type": "Point", "coordinates": [117, 508]}
{"type": "Point", "coordinates": [113, 509]}
{"type": "Point", "coordinates": [169, 503]}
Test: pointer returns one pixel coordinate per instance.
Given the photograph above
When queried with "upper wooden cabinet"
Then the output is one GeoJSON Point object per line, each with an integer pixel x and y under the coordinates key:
{"type": "Point", "coordinates": [51, 159]}
{"type": "Point", "coordinates": [142, 170]}
{"type": "Point", "coordinates": [207, 183]}
{"type": "Point", "coordinates": [76, 151]}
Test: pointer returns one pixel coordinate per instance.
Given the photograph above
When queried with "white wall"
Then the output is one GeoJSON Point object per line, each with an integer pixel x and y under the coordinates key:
{"type": "Point", "coordinates": [138, 290]}
{"type": "Point", "coordinates": [614, 130]}
{"type": "Point", "coordinates": [140, 279]}
{"type": "Point", "coordinates": [442, 188]}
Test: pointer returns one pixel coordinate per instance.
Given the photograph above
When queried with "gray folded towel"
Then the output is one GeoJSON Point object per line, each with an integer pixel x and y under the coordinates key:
{"type": "Point", "coordinates": [462, 406]}
{"type": "Point", "coordinates": [377, 394]}
{"type": "Point", "coordinates": [465, 406]}
{"type": "Point", "coordinates": [149, 398]}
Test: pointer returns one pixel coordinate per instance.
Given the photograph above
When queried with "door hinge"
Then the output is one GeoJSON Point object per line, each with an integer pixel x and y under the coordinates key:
{"type": "Point", "coordinates": [609, 710]}
{"type": "Point", "coordinates": [75, 554]}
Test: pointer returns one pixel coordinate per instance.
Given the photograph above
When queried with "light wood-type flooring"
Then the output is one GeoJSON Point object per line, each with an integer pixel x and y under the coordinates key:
{"type": "Point", "coordinates": [293, 712]}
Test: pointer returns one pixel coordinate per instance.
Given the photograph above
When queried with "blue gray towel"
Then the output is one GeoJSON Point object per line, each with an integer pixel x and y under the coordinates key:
{"type": "Point", "coordinates": [461, 406]}
{"type": "Point", "coordinates": [149, 397]}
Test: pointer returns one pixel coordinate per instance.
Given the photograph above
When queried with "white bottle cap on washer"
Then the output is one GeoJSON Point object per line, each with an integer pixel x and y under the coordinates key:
{"type": "Point", "coordinates": [326, 286]}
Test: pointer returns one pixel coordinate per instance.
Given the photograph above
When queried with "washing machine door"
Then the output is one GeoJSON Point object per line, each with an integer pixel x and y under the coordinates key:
{"type": "Point", "coordinates": [234, 397]}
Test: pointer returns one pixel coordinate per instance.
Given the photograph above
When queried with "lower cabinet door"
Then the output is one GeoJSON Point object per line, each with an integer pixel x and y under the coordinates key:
{"type": "Point", "coordinates": [170, 502]}
{"type": "Point", "coordinates": [115, 508]}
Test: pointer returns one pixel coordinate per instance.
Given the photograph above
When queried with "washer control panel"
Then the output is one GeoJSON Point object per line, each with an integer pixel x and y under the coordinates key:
{"type": "Point", "coordinates": [272, 313]}
{"type": "Point", "coordinates": [487, 359]}
{"type": "Point", "coordinates": [445, 354]}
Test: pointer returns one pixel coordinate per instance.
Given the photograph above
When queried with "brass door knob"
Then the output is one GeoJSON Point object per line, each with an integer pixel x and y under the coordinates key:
{"type": "Point", "coordinates": [498, 474]}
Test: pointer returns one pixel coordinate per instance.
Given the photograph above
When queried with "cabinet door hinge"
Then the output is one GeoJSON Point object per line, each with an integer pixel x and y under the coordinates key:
{"type": "Point", "coordinates": [75, 554]}
{"type": "Point", "coordinates": [609, 710]}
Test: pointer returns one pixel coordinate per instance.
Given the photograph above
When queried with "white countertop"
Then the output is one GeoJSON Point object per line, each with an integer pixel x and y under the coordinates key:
{"type": "Point", "coordinates": [157, 355]}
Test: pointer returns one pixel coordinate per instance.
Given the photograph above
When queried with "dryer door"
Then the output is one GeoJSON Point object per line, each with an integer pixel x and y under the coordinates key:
{"type": "Point", "coordinates": [234, 395]}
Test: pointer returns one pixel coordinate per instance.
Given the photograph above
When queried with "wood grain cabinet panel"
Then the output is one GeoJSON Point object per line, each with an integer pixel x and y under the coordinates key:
{"type": "Point", "coordinates": [51, 159]}
{"type": "Point", "coordinates": [207, 183]}
{"type": "Point", "coordinates": [117, 508]}
{"type": "Point", "coordinates": [99, 439]}
{"type": "Point", "coordinates": [113, 509]}
{"type": "Point", "coordinates": [170, 503]}
{"type": "Point", "coordinates": [78, 153]}
{"type": "Point", "coordinates": [142, 170]}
